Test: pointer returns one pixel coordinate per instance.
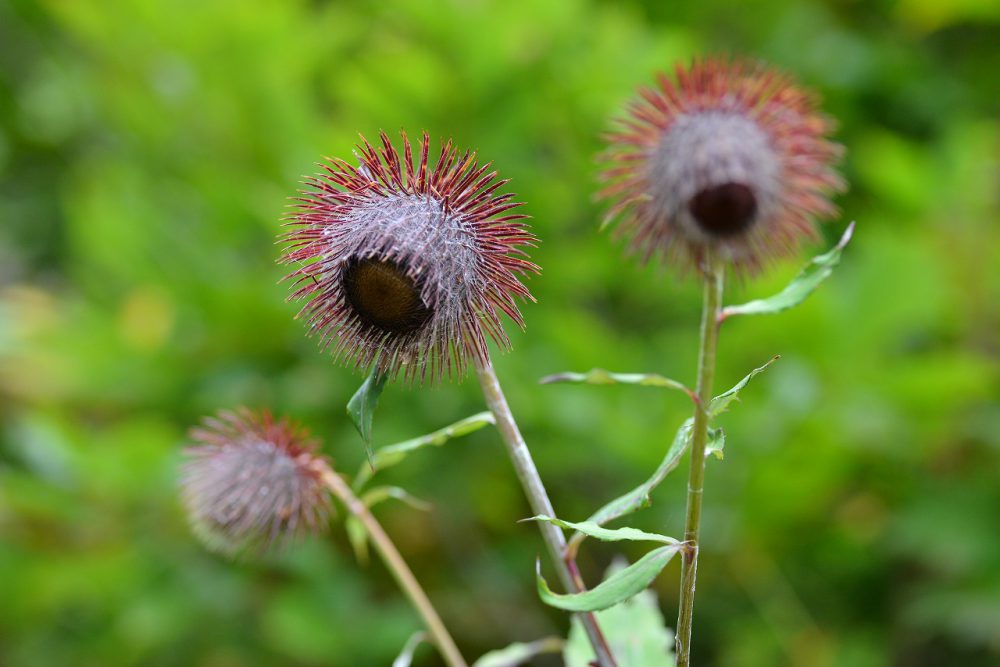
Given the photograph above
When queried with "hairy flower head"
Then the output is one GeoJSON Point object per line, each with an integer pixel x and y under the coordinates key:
{"type": "Point", "coordinates": [730, 159]}
{"type": "Point", "coordinates": [251, 482]}
{"type": "Point", "coordinates": [407, 266]}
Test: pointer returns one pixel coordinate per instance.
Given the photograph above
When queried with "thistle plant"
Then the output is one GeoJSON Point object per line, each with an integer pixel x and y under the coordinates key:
{"type": "Point", "coordinates": [406, 267]}
{"type": "Point", "coordinates": [721, 170]}
{"type": "Point", "coordinates": [253, 483]}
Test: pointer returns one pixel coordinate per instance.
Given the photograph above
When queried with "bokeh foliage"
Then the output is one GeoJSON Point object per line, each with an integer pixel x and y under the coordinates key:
{"type": "Point", "coordinates": [147, 151]}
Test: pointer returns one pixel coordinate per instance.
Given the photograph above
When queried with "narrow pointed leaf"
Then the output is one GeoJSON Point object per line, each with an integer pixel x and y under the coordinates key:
{"type": "Point", "coordinates": [390, 455]}
{"type": "Point", "coordinates": [601, 376]}
{"type": "Point", "coordinates": [379, 494]}
{"type": "Point", "coordinates": [639, 497]}
{"type": "Point", "coordinates": [606, 534]}
{"type": "Point", "coordinates": [361, 408]}
{"type": "Point", "coordinates": [616, 588]}
{"type": "Point", "coordinates": [405, 658]}
{"type": "Point", "coordinates": [519, 653]}
{"type": "Point", "coordinates": [720, 403]}
{"type": "Point", "coordinates": [818, 270]}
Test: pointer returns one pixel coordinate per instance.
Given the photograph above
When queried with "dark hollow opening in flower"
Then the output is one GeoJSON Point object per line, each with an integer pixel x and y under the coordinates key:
{"type": "Point", "coordinates": [724, 210]}
{"type": "Point", "coordinates": [384, 296]}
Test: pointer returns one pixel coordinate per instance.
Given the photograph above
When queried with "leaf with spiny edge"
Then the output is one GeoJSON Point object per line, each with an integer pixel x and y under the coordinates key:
{"type": "Point", "coordinates": [601, 376]}
{"type": "Point", "coordinates": [606, 534]}
{"type": "Point", "coordinates": [720, 403]}
{"type": "Point", "coordinates": [804, 284]}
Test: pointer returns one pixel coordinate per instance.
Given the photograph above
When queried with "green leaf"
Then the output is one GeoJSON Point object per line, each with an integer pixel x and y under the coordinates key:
{"type": "Point", "coordinates": [405, 658]}
{"type": "Point", "coordinates": [601, 376]}
{"type": "Point", "coordinates": [635, 630]}
{"type": "Point", "coordinates": [716, 443]}
{"type": "Point", "coordinates": [608, 535]}
{"type": "Point", "coordinates": [391, 455]}
{"type": "Point", "coordinates": [361, 407]}
{"type": "Point", "coordinates": [358, 537]}
{"type": "Point", "coordinates": [379, 494]}
{"type": "Point", "coordinates": [639, 497]}
{"type": "Point", "coordinates": [618, 587]}
{"type": "Point", "coordinates": [720, 403]}
{"type": "Point", "coordinates": [519, 652]}
{"type": "Point", "coordinates": [818, 270]}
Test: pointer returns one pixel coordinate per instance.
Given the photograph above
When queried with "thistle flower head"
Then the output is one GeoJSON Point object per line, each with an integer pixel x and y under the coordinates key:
{"type": "Point", "coordinates": [404, 265]}
{"type": "Point", "coordinates": [251, 482]}
{"type": "Point", "coordinates": [731, 159]}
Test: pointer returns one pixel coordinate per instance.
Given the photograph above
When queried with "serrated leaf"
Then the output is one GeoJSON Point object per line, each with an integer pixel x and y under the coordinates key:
{"type": "Point", "coordinates": [618, 587]}
{"type": "Point", "coordinates": [391, 455]}
{"type": "Point", "coordinates": [606, 534]}
{"type": "Point", "coordinates": [720, 403]}
{"type": "Point", "coordinates": [519, 652]}
{"type": "Point", "coordinates": [380, 494]}
{"type": "Point", "coordinates": [361, 407]}
{"type": "Point", "coordinates": [405, 658]}
{"type": "Point", "coordinates": [358, 537]}
{"type": "Point", "coordinates": [635, 631]}
{"type": "Point", "coordinates": [601, 376]}
{"type": "Point", "coordinates": [818, 270]}
{"type": "Point", "coordinates": [639, 497]}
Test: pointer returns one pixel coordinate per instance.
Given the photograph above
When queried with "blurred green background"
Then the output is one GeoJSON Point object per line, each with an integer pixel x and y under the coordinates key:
{"type": "Point", "coordinates": [147, 153]}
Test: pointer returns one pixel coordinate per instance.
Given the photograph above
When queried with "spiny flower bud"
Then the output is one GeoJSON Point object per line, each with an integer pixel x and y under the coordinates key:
{"type": "Point", "coordinates": [251, 482]}
{"type": "Point", "coordinates": [405, 266]}
{"type": "Point", "coordinates": [731, 160]}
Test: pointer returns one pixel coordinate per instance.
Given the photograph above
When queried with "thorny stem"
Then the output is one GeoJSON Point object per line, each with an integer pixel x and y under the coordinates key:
{"type": "Point", "coordinates": [398, 567]}
{"type": "Point", "coordinates": [699, 438]}
{"type": "Point", "coordinates": [553, 536]}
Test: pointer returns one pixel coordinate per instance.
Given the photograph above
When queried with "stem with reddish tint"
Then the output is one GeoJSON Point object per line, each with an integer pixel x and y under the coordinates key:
{"type": "Point", "coordinates": [699, 439]}
{"type": "Point", "coordinates": [527, 473]}
{"type": "Point", "coordinates": [398, 567]}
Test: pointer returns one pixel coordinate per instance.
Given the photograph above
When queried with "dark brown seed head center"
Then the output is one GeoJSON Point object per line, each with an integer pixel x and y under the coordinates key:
{"type": "Point", "coordinates": [384, 296]}
{"type": "Point", "coordinates": [724, 210]}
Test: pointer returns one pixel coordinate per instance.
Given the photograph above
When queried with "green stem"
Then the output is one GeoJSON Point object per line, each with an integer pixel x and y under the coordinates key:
{"type": "Point", "coordinates": [527, 473]}
{"type": "Point", "coordinates": [398, 567]}
{"type": "Point", "coordinates": [696, 476]}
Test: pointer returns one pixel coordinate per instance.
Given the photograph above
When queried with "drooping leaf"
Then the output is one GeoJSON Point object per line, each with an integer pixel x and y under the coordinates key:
{"type": "Point", "coordinates": [361, 408]}
{"type": "Point", "coordinates": [618, 587]}
{"type": "Point", "coordinates": [635, 630]}
{"type": "Point", "coordinates": [606, 534]}
{"type": "Point", "coordinates": [518, 653]}
{"type": "Point", "coordinates": [405, 658]}
{"type": "Point", "coordinates": [601, 376]}
{"type": "Point", "coordinates": [818, 270]}
{"type": "Point", "coordinates": [720, 403]}
{"type": "Point", "coordinates": [390, 455]}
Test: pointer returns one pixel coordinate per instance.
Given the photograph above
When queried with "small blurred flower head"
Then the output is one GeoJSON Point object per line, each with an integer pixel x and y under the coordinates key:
{"type": "Point", "coordinates": [731, 159]}
{"type": "Point", "coordinates": [251, 483]}
{"type": "Point", "coordinates": [407, 266]}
